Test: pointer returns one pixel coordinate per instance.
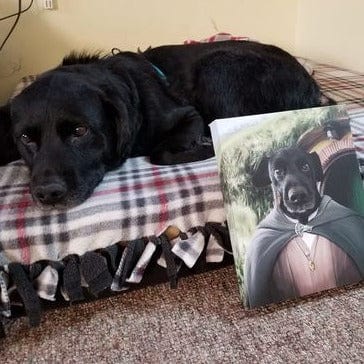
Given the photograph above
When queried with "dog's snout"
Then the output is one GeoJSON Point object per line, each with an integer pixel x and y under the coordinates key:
{"type": "Point", "coordinates": [50, 193]}
{"type": "Point", "coordinates": [297, 195]}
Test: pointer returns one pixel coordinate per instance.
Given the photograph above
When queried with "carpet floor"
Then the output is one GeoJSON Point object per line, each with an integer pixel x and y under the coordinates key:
{"type": "Point", "coordinates": [200, 322]}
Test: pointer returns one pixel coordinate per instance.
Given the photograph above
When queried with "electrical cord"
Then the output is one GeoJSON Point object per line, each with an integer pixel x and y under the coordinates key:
{"type": "Point", "coordinates": [13, 26]}
{"type": "Point", "coordinates": [17, 14]}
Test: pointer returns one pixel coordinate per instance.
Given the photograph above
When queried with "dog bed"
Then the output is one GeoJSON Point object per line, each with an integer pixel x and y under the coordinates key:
{"type": "Point", "coordinates": [143, 224]}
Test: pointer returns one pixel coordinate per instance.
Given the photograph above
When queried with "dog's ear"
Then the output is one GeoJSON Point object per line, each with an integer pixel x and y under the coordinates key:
{"type": "Point", "coordinates": [261, 177]}
{"type": "Point", "coordinates": [121, 106]}
{"type": "Point", "coordinates": [118, 116]}
{"type": "Point", "coordinates": [317, 167]}
{"type": "Point", "coordinates": [8, 150]}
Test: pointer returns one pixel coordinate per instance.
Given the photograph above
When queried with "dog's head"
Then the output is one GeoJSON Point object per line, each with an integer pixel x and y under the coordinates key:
{"type": "Point", "coordinates": [70, 126]}
{"type": "Point", "coordinates": [293, 174]}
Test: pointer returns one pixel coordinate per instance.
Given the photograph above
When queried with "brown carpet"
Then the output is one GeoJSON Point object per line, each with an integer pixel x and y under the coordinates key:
{"type": "Point", "coordinates": [200, 322]}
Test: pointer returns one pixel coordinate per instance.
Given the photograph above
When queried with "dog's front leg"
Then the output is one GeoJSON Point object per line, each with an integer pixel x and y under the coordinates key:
{"type": "Point", "coordinates": [185, 141]}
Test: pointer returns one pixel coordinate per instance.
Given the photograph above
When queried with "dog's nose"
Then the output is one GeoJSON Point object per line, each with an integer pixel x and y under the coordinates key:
{"type": "Point", "coordinates": [50, 193]}
{"type": "Point", "coordinates": [297, 195]}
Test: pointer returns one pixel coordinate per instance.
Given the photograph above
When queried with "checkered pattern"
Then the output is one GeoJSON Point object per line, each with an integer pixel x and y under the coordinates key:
{"type": "Point", "coordinates": [187, 249]}
{"type": "Point", "coordinates": [345, 87]}
{"type": "Point", "coordinates": [134, 201]}
{"type": "Point", "coordinates": [46, 283]}
{"type": "Point", "coordinates": [137, 200]}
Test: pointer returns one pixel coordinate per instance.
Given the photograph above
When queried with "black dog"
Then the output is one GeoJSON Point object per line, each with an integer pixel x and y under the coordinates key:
{"type": "Point", "coordinates": [293, 174]}
{"type": "Point", "coordinates": [87, 116]}
{"type": "Point", "coordinates": [230, 78]}
{"type": "Point", "coordinates": [78, 121]}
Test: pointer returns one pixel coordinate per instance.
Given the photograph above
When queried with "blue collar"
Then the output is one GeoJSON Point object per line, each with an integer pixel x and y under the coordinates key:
{"type": "Point", "coordinates": [160, 73]}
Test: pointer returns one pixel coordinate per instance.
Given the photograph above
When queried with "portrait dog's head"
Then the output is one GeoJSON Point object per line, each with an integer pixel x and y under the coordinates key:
{"type": "Point", "coordinates": [70, 128]}
{"type": "Point", "coordinates": [293, 174]}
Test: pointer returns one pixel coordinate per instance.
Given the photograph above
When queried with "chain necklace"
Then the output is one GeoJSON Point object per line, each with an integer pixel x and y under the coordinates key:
{"type": "Point", "coordinates": [306, 252]}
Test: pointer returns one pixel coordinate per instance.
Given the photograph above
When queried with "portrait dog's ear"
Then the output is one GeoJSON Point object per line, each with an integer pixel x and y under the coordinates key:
{"type": "Point", "coordinates": [317, 167]}
{"type": "Point", "coordinates": [8, 150]}
{"type": "Point", "coordinates": [261, 177]}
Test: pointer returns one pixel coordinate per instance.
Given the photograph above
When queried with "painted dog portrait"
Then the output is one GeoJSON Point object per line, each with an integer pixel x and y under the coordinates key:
{"type": "Point", "coordinates": [308, 242]}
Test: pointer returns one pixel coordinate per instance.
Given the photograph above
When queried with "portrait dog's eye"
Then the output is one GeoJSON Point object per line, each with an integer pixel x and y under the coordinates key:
{"type": "Point", "coordinates": [305, 168]}
{"type": "Point", "coordinates": [278, 172]}
{"type": "Point", "coordinates": [80, 131]}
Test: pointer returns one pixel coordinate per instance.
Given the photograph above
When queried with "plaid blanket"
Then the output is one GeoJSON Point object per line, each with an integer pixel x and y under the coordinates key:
{"type": "Point", "coordinates": [109, 241]}
{"type": "Point", "coordinates": [137, 200]}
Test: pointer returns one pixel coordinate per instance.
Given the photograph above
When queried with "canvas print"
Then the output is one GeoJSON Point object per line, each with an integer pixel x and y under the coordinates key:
{"type": "Point", "coordinates": [294, 199]}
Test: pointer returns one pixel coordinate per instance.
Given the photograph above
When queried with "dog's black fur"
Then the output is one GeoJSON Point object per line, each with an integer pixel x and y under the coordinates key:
{"type": "Point", "coordinates": [88, 115]}
{"type": "Point", "coordinates": [8, 150]}
{"type": "Point", "coordinates": [230, 78]}
{"type": "Point", "coordinates": [293, 174]}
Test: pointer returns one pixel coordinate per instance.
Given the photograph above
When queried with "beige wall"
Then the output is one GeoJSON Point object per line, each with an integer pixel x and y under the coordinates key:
{"type": "Point", "coordinates": [326, 30]}
{"type": "Point", "coordinates": [331, 31]}
{"type": "Point", "coordinates": [43, 37]}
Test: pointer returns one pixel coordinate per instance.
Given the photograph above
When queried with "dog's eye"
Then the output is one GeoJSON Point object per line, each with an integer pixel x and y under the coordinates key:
{"type": "Point", "coordinates": [278, 172]}
{"type": "Point", "coordinates": [25, 138]}
{"type": "Point", "coordinates": [80, 131]}
{"type": "Point", "coordinates": [305, 168]}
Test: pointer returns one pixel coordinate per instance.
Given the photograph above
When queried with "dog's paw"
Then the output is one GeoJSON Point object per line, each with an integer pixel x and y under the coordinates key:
{"type": "Point", "coordinates": [197, 153]}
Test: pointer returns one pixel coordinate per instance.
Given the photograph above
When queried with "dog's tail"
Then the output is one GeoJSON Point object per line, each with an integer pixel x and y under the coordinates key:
{"type": "Point", "coordinates": [81, 58]}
